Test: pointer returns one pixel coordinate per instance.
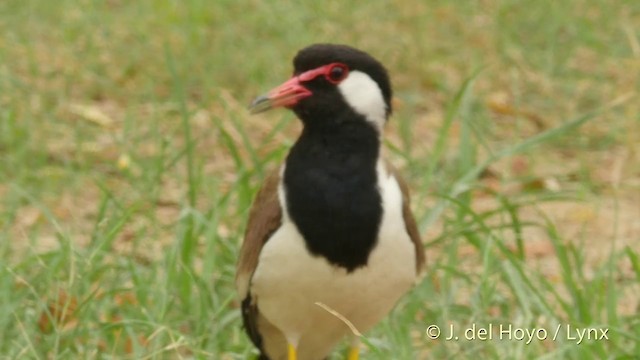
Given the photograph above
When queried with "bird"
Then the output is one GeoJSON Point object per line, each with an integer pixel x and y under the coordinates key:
{"type": "Point", "coordinates": [331, 243]}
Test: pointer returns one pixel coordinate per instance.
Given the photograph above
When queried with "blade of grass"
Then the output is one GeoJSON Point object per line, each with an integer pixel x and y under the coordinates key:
{"type": "Point", "coordinates": [187, 238]}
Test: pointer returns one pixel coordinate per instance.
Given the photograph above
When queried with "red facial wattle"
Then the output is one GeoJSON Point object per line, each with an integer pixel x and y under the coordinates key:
{"type": "Point", "coordinates": [292, 91]}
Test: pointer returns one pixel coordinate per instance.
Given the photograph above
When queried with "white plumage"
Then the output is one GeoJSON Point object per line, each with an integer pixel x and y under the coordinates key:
{"type": "Point", "coordinates": [289, 281]}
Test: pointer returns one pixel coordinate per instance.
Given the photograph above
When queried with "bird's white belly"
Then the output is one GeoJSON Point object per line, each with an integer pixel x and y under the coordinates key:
{"type": "Point", "coordinates": [289, 282]}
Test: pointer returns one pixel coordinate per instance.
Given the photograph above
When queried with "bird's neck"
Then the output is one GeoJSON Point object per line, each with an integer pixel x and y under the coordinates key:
{"type": "Point", "coordinates": [340, 138]}
{"type": "Point", "coordinates": [331, 191]}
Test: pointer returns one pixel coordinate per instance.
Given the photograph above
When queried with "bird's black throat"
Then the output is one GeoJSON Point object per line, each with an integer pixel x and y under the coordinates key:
{"type": "Point", "coordinates": [331, 191]}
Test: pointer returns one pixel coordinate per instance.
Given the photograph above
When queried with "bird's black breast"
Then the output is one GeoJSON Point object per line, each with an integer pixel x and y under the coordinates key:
{"type": "Point", "coordinates": [331, 193]}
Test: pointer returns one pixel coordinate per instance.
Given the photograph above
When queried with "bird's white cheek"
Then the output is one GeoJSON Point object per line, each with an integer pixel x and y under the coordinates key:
{"type": "Point", "coordinates": [363, 94]}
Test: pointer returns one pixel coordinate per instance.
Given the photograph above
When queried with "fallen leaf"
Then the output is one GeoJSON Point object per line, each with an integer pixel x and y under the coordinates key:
{"type": "Point", "coordinates": [128, 345]}
{"type": "Point", "coordinates": [582, 214]}
{"type": "Point", "coordinates": [520, 166]}
{"type": "Point", "coordinates": [93, 114]}
{"type": "Point", "coordinates": [28, 216]}
{"type": "Point", "coordinates": [538, 249]}
{"type": "Point", "coordinates": [124, 162]}
{"type": "Point", "coordinates": [501, 103]}
{"type": "Point", "coordinates": [61, 312]}
{"type": "Point", "coordinates": [125, 298]}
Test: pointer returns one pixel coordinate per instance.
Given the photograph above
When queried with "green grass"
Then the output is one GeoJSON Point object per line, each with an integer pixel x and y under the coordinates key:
{"type": "Point", "coordinates": [129, 162]}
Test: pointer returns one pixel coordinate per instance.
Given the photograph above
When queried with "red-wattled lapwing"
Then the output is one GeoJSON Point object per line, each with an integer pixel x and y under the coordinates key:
{"type": "Point", "coordinates": [330, 234]}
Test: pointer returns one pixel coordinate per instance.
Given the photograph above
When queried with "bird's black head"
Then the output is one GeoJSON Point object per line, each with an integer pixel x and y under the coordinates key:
{"type": "Point", "coordinates": [333, 83]}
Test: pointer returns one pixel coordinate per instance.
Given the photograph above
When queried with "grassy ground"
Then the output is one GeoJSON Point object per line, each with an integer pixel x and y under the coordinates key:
{"type": "Point", "coordinates": [128, 162]}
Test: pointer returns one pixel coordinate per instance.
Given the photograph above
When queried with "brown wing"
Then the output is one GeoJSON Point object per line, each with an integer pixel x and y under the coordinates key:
{"type": "Point", "coordinates": [265, 218]}
{"type": "Point", "coordinates": [409, 220]}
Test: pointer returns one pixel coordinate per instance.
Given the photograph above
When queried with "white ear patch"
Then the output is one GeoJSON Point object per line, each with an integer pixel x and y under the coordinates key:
{"type": "Point", "coordinates": [365, 97]}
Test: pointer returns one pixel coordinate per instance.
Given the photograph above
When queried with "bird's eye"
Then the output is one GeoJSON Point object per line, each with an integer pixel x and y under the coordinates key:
{"type": "Point", "coordinates": [337, 73]}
